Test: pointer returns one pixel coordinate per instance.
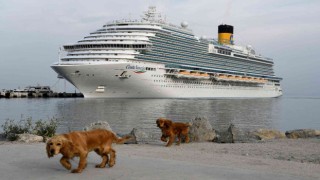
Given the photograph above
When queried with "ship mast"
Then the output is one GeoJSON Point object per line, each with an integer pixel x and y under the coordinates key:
{"type": "Point", "coordinates": [152, 15]}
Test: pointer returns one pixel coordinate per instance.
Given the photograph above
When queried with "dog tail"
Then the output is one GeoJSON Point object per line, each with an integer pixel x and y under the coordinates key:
{"type": "Point", "coordinates": [121, 140]}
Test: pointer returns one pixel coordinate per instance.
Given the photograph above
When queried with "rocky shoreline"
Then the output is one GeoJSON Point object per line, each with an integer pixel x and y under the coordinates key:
{"type": "Point", "coordinates": [200, 131]}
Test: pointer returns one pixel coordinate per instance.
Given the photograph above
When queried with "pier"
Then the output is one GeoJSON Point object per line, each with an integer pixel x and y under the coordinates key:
{"type": "Point", "coordinates": [37, 92]}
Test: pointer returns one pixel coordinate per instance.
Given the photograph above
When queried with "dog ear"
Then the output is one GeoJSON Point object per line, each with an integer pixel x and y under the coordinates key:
{"type": "Point", "coordinates": [67, 145]}
{"type": "Point", "coordinates": [167, 123]}
{"type": "Point", "coordinates": [48, 149]}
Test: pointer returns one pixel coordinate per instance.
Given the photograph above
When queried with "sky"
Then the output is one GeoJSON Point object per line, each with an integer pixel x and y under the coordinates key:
{"type": "Point", "coordinates": [288, 31]}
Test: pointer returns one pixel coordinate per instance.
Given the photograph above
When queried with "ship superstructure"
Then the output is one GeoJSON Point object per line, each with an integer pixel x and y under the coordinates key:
{"type": "Point", "coordinates": [151, 58]}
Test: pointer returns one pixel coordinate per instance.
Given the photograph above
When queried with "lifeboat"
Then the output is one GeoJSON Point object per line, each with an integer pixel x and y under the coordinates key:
{"type": "Point", "coordinates": [182, 74]}
{"type": "Point", "coordinates": [237, 78]}
{"type": "Point", "coordinates": [204, 75]}
{"type": "Point", "coordinates": [192, 74]}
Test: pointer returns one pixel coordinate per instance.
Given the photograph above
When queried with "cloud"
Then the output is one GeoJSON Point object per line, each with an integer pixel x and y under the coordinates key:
{"type": "Point", "coordinates": [33, 30]}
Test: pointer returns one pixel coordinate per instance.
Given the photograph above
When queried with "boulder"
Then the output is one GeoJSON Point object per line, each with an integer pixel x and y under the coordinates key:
{"type": "Point", "coordinates": [234, 135]}
{"type": "Point", "coordinates": [29, 138]}
{"type": "Point", "coordinates": [302, 133]}
{"type": "Point", "coordinates": [201, 130]}
{"type": "Point", "coordinates": [224, 136]}
{"type": "Point", "coordinates": [138, 137]}
{"type": "Point", "coordinates": [268, 134]}
{"type": "Point", "coordinates": [98, 125]}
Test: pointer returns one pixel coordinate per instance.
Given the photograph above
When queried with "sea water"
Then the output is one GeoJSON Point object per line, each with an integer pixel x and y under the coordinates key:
{"type": "Point", "coordinates": [284, 113]}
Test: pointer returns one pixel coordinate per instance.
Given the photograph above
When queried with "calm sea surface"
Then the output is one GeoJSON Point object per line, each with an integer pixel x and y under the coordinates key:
{"type": "Point", "coordinates": [125, 114]}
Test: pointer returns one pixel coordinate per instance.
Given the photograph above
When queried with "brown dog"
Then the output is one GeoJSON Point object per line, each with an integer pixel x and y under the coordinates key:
{"type": "Point", "coordinates": [172, 129]}
{"type": "Point", "coordinates": [81, 143]}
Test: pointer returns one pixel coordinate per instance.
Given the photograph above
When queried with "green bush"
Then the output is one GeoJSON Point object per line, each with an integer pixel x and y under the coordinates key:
{"type": "Point", "coordinates": [11, 128]}
{"type": "Point", "coordinates": [45, 128]}
{"type": "Point", "coordinates": [41, 128]}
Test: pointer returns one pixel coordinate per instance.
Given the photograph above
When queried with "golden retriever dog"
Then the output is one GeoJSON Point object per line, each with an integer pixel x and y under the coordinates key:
{"type": "Point", "coordinates": [80, 143]}
{"type": "Point", "coordinates": [172, 129]}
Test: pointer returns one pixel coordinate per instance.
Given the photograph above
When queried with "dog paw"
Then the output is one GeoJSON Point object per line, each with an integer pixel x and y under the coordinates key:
{"type": "Point", "coordinates": [112, 163]}
{"type": "Point", "coordinates": [76, 171]}
{"type": "Point", "coordinates": [67, 166]}
{"type": "Point", "coordinates": [100, 166]}
{"type": "Point", "coordinates": [164, 139]}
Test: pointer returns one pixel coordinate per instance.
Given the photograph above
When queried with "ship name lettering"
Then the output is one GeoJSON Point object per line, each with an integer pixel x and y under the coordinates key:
{"type": "Point", "coordinates": [134, 67]}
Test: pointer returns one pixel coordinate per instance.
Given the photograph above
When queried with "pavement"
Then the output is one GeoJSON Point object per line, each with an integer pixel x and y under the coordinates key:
{"type": "Point", "coordinates": [29, 161]}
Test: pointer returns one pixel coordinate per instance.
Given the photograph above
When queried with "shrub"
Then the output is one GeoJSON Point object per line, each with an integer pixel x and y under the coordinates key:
{"type": "Point", "coordinates": [41, 128]}
{"type": "Point", "coordinates": [46, 128]}
{"type": "Point", "coordinates": [11, 128]}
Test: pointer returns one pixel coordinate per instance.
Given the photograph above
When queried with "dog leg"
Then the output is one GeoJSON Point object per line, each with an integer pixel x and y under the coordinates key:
{"type": "Point", "coordinates": [105, 158]}
{"type": "Point", "coordinates": [112, 161]}
{"type": "Point", "coordinates": [187, 139]}
{"type": "Point", "coordinates": [65, 162]}
{"type": "Point", "coordinates": [164, 138]}
{"type": "Point", "coordinates": [82, 163]}
{"type": "Point", "coordinates": [171, 140]}
{"type": "Point", "coordinates": [179, 139]}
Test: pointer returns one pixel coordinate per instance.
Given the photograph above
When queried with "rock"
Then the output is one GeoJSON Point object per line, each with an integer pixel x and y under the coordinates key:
{"type": "Point", "coordinates": [224, 137]}
{"type": "Point", "coordinates": [29, 138]}
{"type": "Point", "coordinates": [234, 135]}
{"type": "Point", "coordinates": [98, 125]}
{"type": "Point", "coordinates": [242, 136]}
{"type": "Point", "coordinates": [201, 130]}
{"type": "Point", "coordinates": [138, 137]}
{"type": "Point", "coordinates": [302, 133]}
{"type": "Point", "coordinates": [268, 134]}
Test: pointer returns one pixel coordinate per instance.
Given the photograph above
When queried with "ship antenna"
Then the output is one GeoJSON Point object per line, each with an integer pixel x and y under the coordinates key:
{"type": "Point", "coordinates": [152, 15]}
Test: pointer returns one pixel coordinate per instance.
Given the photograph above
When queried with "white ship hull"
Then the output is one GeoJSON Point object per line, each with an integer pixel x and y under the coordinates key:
{"type": "Point", "coordinates": [124, 80]}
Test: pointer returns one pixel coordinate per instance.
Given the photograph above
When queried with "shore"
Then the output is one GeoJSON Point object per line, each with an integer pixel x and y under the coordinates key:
{"type": "Point", "coordinates": [278, 159]}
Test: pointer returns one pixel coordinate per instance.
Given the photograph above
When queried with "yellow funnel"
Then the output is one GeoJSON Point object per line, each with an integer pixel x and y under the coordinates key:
{"type": "Point", "coordinates": [225, 34]}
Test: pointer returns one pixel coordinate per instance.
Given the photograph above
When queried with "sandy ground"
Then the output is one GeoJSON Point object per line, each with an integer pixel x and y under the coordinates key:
{"type": "Point", "coordinates": [279, 159]}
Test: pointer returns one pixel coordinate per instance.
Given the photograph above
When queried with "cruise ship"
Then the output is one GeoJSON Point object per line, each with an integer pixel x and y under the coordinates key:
{"type": "Point", "coordinates": [152, 58]}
